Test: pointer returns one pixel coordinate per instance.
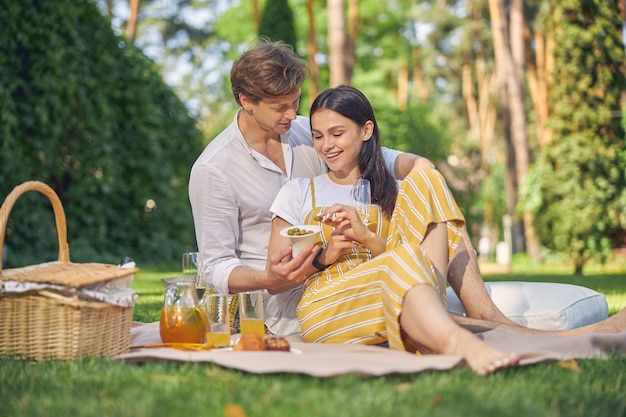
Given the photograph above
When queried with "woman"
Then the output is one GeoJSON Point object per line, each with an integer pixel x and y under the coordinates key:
{"type": "Point", "coordinates": [397, 297]}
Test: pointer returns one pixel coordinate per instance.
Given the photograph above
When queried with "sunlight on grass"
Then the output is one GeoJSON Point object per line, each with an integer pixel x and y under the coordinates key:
{"type": "Point", "coordinates": [594, 388]}
{"type": "Point", "coordinates": [608, 279]}
{"type": "Point", "coordinates": [522, 264]}
{"type": "Point", "coordinates": [617, 302]}
{"type": "Point", "coordinates": [147, 284]}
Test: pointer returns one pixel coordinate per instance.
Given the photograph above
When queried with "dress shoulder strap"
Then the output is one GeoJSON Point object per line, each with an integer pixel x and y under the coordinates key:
{"type": "Point", "coordinates": [312, 193]}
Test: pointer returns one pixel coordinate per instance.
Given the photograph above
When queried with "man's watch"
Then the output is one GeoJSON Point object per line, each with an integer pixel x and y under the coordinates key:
{"type": "Point", "coordinates": [316, 262]}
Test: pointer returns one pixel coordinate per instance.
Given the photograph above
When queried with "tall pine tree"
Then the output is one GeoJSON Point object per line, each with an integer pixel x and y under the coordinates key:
{"type": "Point", "coordinates": [277, 22]}
{"type": "Point", "coordinates": [580, 174]}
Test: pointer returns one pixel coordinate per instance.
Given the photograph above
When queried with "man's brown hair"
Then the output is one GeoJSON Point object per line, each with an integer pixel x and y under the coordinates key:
{"type": "Point", "coordinates": [269, 70]}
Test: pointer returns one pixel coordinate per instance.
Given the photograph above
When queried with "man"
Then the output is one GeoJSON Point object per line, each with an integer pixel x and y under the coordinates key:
{"type": "Point", "coordinates": [236, 178]}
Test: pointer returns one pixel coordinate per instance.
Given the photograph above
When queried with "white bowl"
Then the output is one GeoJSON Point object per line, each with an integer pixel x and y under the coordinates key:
{"type": "Point", "coordinates": [299, 242]}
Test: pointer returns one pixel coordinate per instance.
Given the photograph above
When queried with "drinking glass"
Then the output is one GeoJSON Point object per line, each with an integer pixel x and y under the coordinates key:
{"type": "Point", "coordinates": [215, 309]}
{"type": "Point", "coordinates": [251, 318]}
{"type": "Point", "coordinates": [362, 196]}
{"type": "Point", "coordinates": [190, 267]}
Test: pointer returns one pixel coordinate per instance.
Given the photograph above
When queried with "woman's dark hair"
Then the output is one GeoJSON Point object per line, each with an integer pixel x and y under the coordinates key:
{"type": "Point", "coordinates": [352, 104]}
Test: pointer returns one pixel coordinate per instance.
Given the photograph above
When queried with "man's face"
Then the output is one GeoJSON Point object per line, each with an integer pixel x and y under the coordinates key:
{"type": "Point", "coordinates": [274, 115]}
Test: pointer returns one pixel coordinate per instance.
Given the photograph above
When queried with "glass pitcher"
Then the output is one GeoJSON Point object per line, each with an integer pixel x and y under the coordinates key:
{"type": "Point", "coordinates": [182, 320]}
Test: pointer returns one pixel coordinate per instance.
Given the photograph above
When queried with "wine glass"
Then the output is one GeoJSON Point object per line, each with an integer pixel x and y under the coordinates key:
{"type": "Point", "coordinates": [190, 267]}
{"type": "Point", "coordinates": [362, 196]}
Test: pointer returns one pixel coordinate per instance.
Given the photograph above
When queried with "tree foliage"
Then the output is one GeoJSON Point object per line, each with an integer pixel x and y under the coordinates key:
{"type": "Point", "coordinates": [277, 22]}
{"type": "Point", "coordinates": [427, 65]}
{"type": "Point", "coordinates": [88, 114]}
{"type": "Point", "coordinates": [181, 36]}
{"type": "Point", "coordinates": [580, 174]}
{"type": "Point", "coordinates": [385, 43]}
{"type": "Point", "coordinates": [414, 130]}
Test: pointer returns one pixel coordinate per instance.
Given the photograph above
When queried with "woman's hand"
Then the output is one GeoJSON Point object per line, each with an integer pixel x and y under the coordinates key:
{"type": "Point", "coordinates": [338, 244]}
{"type": "Point", "coordinates": [346, 221]}
{"type": "Point", "coordinates": [349, 233]}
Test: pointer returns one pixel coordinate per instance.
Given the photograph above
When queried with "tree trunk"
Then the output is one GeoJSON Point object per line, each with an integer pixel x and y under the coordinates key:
{"type": "Point", "coordinates": [518, 118]}
{"type": "Point", "coordinates": [131, 26]}
{"type": "Point", "coordinates": [485, 90]}
{"type": "Point", "coordinates": [336, 43]}
{"type": "Point", "coordinates": [419, 85]}
{"type": "Point", "coordinates": [471, 107]}
{"type": "Point", "coordinates": [481, 107]}
{"type": "Point", "coordinates": [578, 266]}
{"type": "Point", "coordinates": [403, 87]}
{"type": "Point", "coordinates": [503, 70]}
{"type": "Point", "coordinates": [622, 9]}
{"type": "Point", "coordinates": [509, 51]}
{"type": "Point", "coordinates": [353, 33]}
{"type": "Point", "coordinates": [488, 114]}
{"type": "Point", "coordinates": [311, 49]}
{"type": "Point", "coordinates": [538, 87]}
{"type": "Point", "coordinates": [110, 9]}
{"type": "Point", "coordinates": [256, 10]}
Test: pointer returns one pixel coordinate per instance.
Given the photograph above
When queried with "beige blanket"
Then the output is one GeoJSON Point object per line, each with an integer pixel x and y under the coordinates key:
{"type": "Point", "coordinates": [324, 360]}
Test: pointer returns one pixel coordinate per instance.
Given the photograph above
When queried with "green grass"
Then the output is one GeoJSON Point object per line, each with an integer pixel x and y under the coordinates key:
{"type": "Point", "coordinates": [104, 387]}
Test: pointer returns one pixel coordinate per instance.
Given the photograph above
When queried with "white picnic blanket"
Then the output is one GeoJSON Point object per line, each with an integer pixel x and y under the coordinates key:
{"type": "Point", "coordinates": [325, 360]}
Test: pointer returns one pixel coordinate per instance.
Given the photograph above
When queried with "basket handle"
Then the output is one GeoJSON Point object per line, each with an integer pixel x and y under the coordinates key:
{"type": "Point", "coordinates": [59, 215]}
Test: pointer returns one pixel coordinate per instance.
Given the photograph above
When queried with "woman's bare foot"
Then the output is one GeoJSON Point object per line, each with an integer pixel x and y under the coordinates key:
{"type": "Point", "coordinates": [426, 322]}
{"type": "Point", "coordinates": [505, 362]}
{"type": "Point", "coordinates": [482, 358]}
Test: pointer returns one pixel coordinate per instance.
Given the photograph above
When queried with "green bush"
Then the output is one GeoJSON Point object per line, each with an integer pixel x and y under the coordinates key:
{"type": "Point", "coordinates": [578, 180]}
{"type": "Point", "coordinates": [87, 113]}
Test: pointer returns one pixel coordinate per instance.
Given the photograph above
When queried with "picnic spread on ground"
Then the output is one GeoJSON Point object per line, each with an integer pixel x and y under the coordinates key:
{"type": "Point", "coordinates": [568, 304]}
{"type": "Point", "coordinates": [326, 360]}
{"type": "Point", "coordinates": [64, 310]}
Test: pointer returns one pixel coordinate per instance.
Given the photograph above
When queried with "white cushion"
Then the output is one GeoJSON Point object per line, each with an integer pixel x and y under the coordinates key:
{"type": "Point", "coordinates": [542, 305]}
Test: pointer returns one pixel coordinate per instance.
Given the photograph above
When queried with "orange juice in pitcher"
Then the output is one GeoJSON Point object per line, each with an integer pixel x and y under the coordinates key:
{"type": "Point", "coordinates": [182, 320]}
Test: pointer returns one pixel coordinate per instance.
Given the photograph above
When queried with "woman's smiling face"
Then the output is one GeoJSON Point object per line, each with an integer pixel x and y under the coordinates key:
{"type": "Point", "coordinates": [339, 140]}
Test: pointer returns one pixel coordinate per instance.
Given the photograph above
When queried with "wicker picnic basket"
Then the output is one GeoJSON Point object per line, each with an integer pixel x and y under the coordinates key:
{"type": "Point", "coordinates": [50, 324]}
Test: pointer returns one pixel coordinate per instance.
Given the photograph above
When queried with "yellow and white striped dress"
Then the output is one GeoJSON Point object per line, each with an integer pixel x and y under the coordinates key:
{"type": "Point", "coordinates": [349, 303]}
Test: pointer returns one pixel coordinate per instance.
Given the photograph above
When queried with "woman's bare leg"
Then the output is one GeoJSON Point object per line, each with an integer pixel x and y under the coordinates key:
{"type": "Point", "coordinates": [425, 320]}
{"type": "Point", "coordinates": [467, 282]}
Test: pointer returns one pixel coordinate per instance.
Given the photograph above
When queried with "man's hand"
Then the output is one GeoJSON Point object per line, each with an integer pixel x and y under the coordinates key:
{"type": "Point", "coordinates": [284, 273]}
